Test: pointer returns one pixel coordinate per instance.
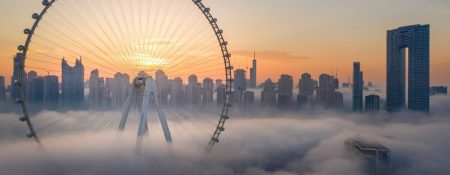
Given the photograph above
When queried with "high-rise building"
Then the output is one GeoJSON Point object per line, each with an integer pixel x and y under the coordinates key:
{"type": "Point", "coordinates": [285, 90]}
{"type": "Point", "coordinates": [2, 89]}
{"type": "Point", "coordinates": [306, 89]}
{"type": "Point", "coordinates": [253, 73]}
{"type": "Point", "coordinates": [193, 90]}
{"type": "Point", "coordinates": [268, 94]}
{"type": "Point", "coordinates": [96, 89]}
{"type": "Point", "coordinates": [240, 80]}
{"type": "Point", "coordinates": [326, 92]}
{"type": "Point", "coordinates": [208, 91]}
{"type": "Point", "coordinates": [249, 98]}
{"type": "Point", "coordinates": [35, 89]}
{"type": "Point", "coordinates": [72, 82]}
{"type": "Point", "coordinates": [219, 82]}
{"type": "Point", "coordinates": [240, 85]}
{"type": "Point", "coordinates": [412, 42]}
{"type": "Point", "coordinates": [221, 90]}
{"type": "Point", "coordinates": [372, 103]}
{"type": "Point", "coordinates": [374, 157]}
{"type": "Point", "coordinates": [358, 87]}
{"type": "Point", "coordinates": [162, 82]}
{"type": "Point", "coordinates": [438, 90]}
{"type": "Point", "coordinates": [51, 90]}
{"type": "Point", "coordinates": [120, 89]}
{"type": "Point", "coordinates": [177, 91]}
{"type": "Point", "coordinates": [18, 62]}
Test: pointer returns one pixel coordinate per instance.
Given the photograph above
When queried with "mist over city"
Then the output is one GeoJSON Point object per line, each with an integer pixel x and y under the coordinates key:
{"type": "Point", "coordinates": [113, 87]}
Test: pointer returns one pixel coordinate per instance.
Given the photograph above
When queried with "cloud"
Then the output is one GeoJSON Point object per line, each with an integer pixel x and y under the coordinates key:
{"type": "Point", "coordinates": [271, 55]}
{"type": "Point", "coordinates": [258, 143]}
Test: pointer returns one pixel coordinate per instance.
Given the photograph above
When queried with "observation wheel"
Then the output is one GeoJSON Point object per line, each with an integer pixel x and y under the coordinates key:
{"type": "Point", "coordinates": [81, 58]}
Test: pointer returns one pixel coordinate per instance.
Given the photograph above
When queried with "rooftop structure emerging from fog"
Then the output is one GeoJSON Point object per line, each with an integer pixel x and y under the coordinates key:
{"type": "Point", "coordinates": [438, 90]}
{"type": "Point", "coordinates": [374, 157]}
{"type": "Point", "coordinates": [412, 42]}
{"type": "Point", "coordinates": [326, 92]}
{"type": "Point", "coordinates": [285, 90]}
{"type": "Point", "coordinates": [358, 87]}
{"type": "Point", "coordinates": [268, 94]}
{"type": "Point", "coordinates": [306, 89]}
{"type": "Point", "coordinates": [372, 103]}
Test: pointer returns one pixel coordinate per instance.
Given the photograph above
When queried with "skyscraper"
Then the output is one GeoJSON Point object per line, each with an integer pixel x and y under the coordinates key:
{"type": "Point", "coordinates": [177, 91]}
{"type": "Point", "coordinates": [221, 90]}
{"type": "Point", "coordinates": [51, 90]}
{"type": "Point", "coordinates": [268, 94]}
{"type": "Point", "coordinates": [372, 103]}
{"type": "Point", "coordinates": [240, 85]}
{"type": "Point", "coordinates": [72, 82]}
{"type": "Point", "coordinates": [326, 92]}
{"type": "Point", "coordinates": [306, 89]}
{"type": "Point", "coordinates": [162, 82]}
{"type": "Point", "coordinates": [2, 88]}
{"type": "Point", "coordinates": [249, 98]}
{"type": "Point", "coordinates": [119, 89]}
{"type": "Point", "coordinates": [208, 91]}
{"type": "Point", "coordinates": [285, 90]}
{"type": "Point", "coordinates": [253, 73]}
{"type": "Point", "coordinates": [414, 42]}
{"type": "Point", "coordinates": [358, 86]}
{"type": "Point", "coordinates": [18, 62]}
{"type": "Point", "coordinates": [193, 90]}
{"type": "Point", "coordinates": [96, 89]}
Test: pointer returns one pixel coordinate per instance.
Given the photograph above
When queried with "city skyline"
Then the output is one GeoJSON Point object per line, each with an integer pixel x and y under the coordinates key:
{"type": "Point", "coordinates": [302, 46]}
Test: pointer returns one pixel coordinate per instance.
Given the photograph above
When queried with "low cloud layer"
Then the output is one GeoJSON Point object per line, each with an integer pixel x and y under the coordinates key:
{"type": "Point", "coordinates": [262, 143]}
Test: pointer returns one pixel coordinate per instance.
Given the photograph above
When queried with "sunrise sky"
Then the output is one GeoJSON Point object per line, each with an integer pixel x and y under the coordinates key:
{"type": "Point", "coordinates": [294, 36]}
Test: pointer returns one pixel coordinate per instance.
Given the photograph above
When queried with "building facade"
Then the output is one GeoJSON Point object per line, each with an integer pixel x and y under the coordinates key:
{"type": "Point", "coordinates": [358, 87]}
{"type": "Point", "coordinates": [413, 41]}
{"type": "Point", "coordinates": [268, 94]}
{"type": "Point", "coordinates": [253, 73]}
{"type": "Point", "coordinates": [2, 89]}
{"type": "Point", "coordinates": [285, 90]}
{"type": "Point", "coordinates": [72, 87]}
{"type": "Point", "coordinates": [372, 103]}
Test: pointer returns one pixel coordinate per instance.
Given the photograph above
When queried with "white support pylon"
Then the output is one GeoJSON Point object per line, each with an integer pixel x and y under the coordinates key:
{"type": "Point", "coordinates": [150, 93]}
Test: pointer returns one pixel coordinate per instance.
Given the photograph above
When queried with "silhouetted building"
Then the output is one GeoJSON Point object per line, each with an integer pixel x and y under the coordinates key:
{"type": "Point", "coordinates": [240, 85]}
{"type": "Point", "coordinates": [326, 92]}
{"type": "Point", "coordinates": [306, 89]}
{"type": "Point", "coordinates": [253, 73]}
{"type": "Point", "coordinates": [177, 91]}
{"type": "Point", "coordinates": [438, 90]}
{"type": "Point", "coordinates": [35, 88]}
{"type": "Point", "coordinates": [416, 40]}
{"type": "Point", "coordinates": [2, 89]}
{"type": "Point", "coordinates": [72, 82]}
{"type": "Point", "coordinates": [285, 90]}
{"type": "Point", "coordinates": [358, 86]}
{"type": "Point", "coordinates": [96, 89]}
{"type": "Point", "coordinates": [221, 94]}
{"type": "Point", "coordinates": [51, 90]}
{"type": "Point", "coordinates": [18, 62]}
{"type": "Point", "coordinates": [374, 157]}
{"type": "Point", "coordinates": [120, 89]}
{"type": "Point", "coordinates": [249, 98]}
{"type": "Point", "coordinates": [268, 94]}
{"type": "Point", "coordinates": [193, 90]}
{"type": "Point", "coordinates": [372, 103]}
{"type": "Point", "coordinates": [162, 82]}
{"type": "Point", "coordinates": [208, 91]}
{"type": "Point", "coordinates": [219, 82]}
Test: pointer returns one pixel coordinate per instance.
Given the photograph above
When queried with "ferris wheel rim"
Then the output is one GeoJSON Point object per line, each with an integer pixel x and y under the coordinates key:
{"type": "Point", "coordinates": [224, 116]}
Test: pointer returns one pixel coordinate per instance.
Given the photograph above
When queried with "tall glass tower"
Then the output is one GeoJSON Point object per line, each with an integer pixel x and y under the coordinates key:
{"type": "Point", "coordinates": [358, 86]}
{"type": "Point", "coordinates": [413, 41]}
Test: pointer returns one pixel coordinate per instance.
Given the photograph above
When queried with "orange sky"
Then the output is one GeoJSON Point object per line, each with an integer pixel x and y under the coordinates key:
{"type": "Point", "coordinates": [295, 36]}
